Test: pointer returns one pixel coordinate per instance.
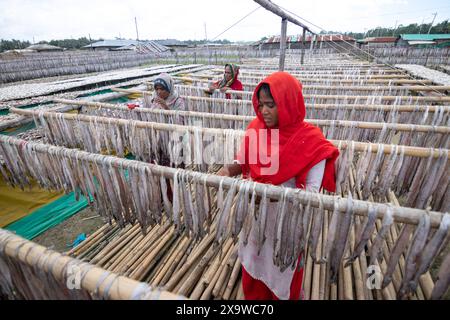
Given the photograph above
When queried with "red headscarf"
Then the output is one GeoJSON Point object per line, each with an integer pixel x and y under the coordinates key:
{"type": "Point", "coordinates": [301, 145]}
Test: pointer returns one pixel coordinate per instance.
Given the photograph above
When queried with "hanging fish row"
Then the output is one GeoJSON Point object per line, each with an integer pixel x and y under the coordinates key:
{"type": "Point", "coordinates": [324, 97]}
{"type": "Point", "coordinates": [424, 180]}
{"type": "Point", "coordinates": [129, 191]}
{"type": "Point", "coordinates": [334, 130]}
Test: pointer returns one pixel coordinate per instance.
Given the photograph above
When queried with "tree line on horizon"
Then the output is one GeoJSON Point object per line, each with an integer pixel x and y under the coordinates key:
{"type": "Point", "coordinates": [414, 28]}
{"type": "Point", "coordinates": [72, 44]}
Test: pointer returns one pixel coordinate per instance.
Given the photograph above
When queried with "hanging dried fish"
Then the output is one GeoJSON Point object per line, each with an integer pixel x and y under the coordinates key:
{"type": "Point", "coordinates": [443, 280]}
{"type": "Point", "coordinates": [375, 250]}
{"type": "Point", "coordinates": [251, 219]}
{"type": "Point", "coordinates": [399, 247]}
{"type": "Point", "coordinates": [164, 192]}
{"type": "Point", "coordinates": [262, 220]}
{"type": "Point", "coordinates": [372, 171]}
{"type": "Point", "coordinates": [278, 236]}
{"type": "Point", "coordinates": [298, 239]}
{"type": "Point", "coordinates": [316, 230]}
{"type": "Point", "coordinates": [365, 235]}
{"type": "Point", "coordinates": [225, 213]}
{"type": "Point", "coordinates": [242, 207]}
{"type": "Point", "coordinates": [431, 250]}
{"type": "Point", "coordinates": [332, 231]}
{"type": "Point", "coordinates": [176, 202]}
{"type": "Point", "coordinates": [342, 237]}
{"type": "Point", "coordinates": [415, 250]}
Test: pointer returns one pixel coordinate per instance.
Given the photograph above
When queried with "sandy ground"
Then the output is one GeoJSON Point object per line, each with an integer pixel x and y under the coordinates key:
{"type": "Point", "coordinates": [59, 237]}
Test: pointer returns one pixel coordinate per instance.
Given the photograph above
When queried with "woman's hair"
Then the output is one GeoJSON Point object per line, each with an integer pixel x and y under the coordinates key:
{"type": "Point", "coordinates": [266, 89]}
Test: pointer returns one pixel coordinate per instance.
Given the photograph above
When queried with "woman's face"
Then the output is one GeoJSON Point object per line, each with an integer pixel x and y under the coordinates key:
{"type": "Point", "coordinates": [228, 74]}
{"type": "Point", "coordinates": [268, 109]}
{"type": "Point", "coordinates": [161, 92]}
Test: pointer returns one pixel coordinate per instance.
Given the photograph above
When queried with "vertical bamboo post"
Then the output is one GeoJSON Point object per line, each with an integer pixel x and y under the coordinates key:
{"type": "Point", "coordinates": [283, 44]}
{"type": "Point", "coordinates": [303, 45]}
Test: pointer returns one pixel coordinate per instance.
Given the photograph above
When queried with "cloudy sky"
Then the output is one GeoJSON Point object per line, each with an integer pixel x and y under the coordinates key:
{"type": "Point", "coordinates": [186, 19]}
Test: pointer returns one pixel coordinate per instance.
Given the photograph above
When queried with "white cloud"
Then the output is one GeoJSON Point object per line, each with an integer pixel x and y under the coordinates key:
{"type": "Point", "coordinates": [184, 19]}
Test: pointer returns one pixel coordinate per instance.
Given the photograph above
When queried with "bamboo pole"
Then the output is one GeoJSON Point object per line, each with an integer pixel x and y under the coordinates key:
{"type": "Point", "coordinates": [88, 241]}
{"type": "Point", "coordinates": [282, 44]}
{"type": "Point", "coordinates": [176, 277]}
{"type": "Point", "coordinates": [248, 119]}
{"type": "Point", "coordinates": [233, 278]}
{"type": "Point", "coordinates": [113, 286]}
{"type": "Point", "coordinates": [170, 261]}
{"type": "Point", "coordinates": [197, 272]}
{"type": "Point", "coordinates": [359, 107]}
{"type": "Point", "coordinates": [313, 80]}
{"type": "Point", "coordinates": [389, 87]}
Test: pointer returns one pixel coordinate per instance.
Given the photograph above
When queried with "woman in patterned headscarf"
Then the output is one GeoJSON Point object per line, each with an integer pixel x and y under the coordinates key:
{"type": "Point", "coordinates": [165, 95]}
{"type": "Point", "coordinates": [229, 81]}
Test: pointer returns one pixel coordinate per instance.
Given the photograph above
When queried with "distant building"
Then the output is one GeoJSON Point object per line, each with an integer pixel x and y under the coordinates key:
{"type": "Point", "coordinates": [44, 48]}
{"type": "Point", "coordinates": [126, 45]}
{"type": "Point", "coordinates": [424, 40]}
{"type": "Point", "coordinates": [320, 41]}
{"type": "Point", "coordinates": [171, 43]}
{"type": "Point", "coordinates": [378, 42]}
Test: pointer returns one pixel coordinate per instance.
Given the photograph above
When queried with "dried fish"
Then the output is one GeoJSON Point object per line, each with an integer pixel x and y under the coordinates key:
{"type": "Point", "coordinates": [365, 235]}
{"type": "Point", "coordinates": [416, 248]}
{"type": "Point", "coordinates": [176, 202]}
{"type": "Point", "coordinates": [262, 220]}
{"type": "Point", "coordinates": [399, 247]}
{"type": "Point", "coordinates": [298, 241]}
{"type": "Point", "coordinates": [431, 250]}
{"type": "Point", "coordinates": [375, 250]}
{"type": "Point", "coordinates": [316, 230]}
{"type": "Point", "coordinates": [332, 231]}
{"type": "Point", "coordinates": [242, 207]}
{"type": "Point", "coordinates": [251, 220]}
{"type": "Point", "coordinates": [342, 237]}
{"type": "Point", "coordinates": [443, 279]}
{"type": "Point", "coordinates": [279, 228]}
{"type": "Point", "coordinates": [167, 204]}
{"type": "Point", "coordinates": [225, 213]}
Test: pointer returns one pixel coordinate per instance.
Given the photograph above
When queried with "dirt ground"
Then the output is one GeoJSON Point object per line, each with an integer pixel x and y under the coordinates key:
{"type": "Point", "coordinates": [59, 237]}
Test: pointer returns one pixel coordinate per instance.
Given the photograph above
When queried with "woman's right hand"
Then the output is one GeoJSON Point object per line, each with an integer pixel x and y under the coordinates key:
{"type": "Point", "coordinates": [230, 170]}
{"type": "Point", "coordinates": [224, 171]}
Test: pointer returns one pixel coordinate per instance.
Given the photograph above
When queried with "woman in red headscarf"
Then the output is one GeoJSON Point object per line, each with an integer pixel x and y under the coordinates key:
{"type": "Point", "coordinates": [302, 158]}
{"type": "Point", "coordinates": [229, 82]}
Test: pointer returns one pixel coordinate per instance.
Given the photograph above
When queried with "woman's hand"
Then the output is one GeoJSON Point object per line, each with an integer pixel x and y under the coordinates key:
{"type": "Point", "coordinates": [161, 102]}
{"type": "Point", "coordinates": [224, 172]}
{"type": "Point", "coordinates": [230, 170]}
{"type": "Point", "coordinates": [224, 89]}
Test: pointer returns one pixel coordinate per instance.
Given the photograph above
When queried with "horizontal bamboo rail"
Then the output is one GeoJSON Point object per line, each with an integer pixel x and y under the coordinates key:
{"type": "Point", "coordinates": [338, 123]}
{"type": "Point", "coordinates": [327, 80]}
{"type": "Point", "coordinates": [95, 279]}
{"type": "Point", "coordinates": [308, 96]}
{"type": "Point", "coordinates": [359, 146]}
{"type": "Point", "coordinates": [393, 73]}
{"type": "Point", "coordinates": [400, 214]}
{"type": "Point", "coordinates": [331, 75]}
{"type": "Point", "coordinates": [347, 88]}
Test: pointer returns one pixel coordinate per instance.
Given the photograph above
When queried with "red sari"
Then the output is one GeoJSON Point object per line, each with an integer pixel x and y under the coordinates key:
{"type": "Point", "coordinates": [301, 146]}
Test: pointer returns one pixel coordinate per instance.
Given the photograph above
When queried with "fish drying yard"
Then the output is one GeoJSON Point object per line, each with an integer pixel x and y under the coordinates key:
{"type": "Point", "coordinates": [82, 157]}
